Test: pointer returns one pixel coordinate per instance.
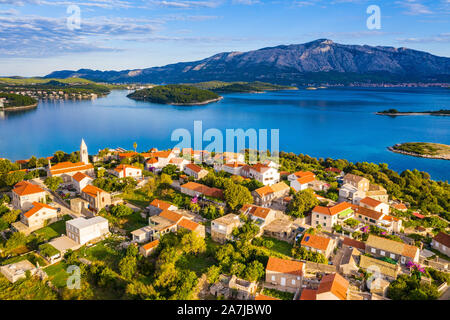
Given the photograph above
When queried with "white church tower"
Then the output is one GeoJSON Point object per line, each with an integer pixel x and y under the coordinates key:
{"type": "Point", "coordinates": [84, 156]}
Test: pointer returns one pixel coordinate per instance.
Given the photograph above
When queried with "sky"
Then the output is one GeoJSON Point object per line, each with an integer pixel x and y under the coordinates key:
{"type": "Point", "coordinates": [41, 36]}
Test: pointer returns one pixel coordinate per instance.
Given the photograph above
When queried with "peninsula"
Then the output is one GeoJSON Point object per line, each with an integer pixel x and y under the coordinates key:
{"type": "Point", "coordinates": [179, 95]}
{"type": "Point", "coordinates": [395, 112]}
{"type": "Point", "coordinates": [13, 102]}
{"type": "Point", "coordinates": [240, 87]}
{"type": "Point", "coordinates": [423, 150]}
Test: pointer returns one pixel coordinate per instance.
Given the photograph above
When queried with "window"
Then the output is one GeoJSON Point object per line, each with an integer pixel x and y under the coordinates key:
{"type": "Point", "coordinates": [382, 253]}
{"type": "Point", "coordinates": [373, 250]}
{"type": "Point", "coordinates": [273, 278]}
{"type": "Point", "coordinates": [392, 256]}
{"type": "Point", "coordinates": [293, 282]}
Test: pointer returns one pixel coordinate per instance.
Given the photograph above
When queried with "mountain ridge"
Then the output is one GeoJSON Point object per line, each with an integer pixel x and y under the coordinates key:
{"type": "Point", "coordinates": [317, 61]}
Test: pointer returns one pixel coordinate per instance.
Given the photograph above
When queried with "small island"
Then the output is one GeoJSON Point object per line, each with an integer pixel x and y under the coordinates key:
{"type": "Point", "coordinates": [15, 102]}
{"type": "Point", "coordinates": [423, 150]}
{"type": "Point", "coordinates": [178, 95]}
{"type": "Point", "coordinates": [395, 112]}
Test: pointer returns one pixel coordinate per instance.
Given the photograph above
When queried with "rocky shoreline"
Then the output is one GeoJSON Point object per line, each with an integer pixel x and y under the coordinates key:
{"type": "Point", "coordinates": [31, 106]}
{"type": "Point", "coordinates": [411, 114]}
{"type": "Point", "coordinates": [444, 157]}
{"type": "Point", "coordinates": [197, 103]}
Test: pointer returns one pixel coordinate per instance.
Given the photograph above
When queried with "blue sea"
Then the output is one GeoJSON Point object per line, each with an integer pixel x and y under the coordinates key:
{"type": "Point", "coordinates": [332, 122]}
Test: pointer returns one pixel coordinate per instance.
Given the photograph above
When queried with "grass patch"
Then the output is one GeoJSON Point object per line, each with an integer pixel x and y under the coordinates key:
{"type": "Point", "coordinates": [26, 289]}
{"type": "Point", "coordinates": [103, 251]}
{"type": "Point", "coordinates": [57, 274]}
{"type": "Point", "coordinates": [278, 294]}
{"type": "Point", "coordinates": [134, 221]}
{"type": "Point", "coordinates": [137, 197]}
{"type": "Point", "coordinates": [53, 230]}
{"type": "Point", "coordinates": [281, 247]}
{"type": "Point", "coordinates": [32, 257]}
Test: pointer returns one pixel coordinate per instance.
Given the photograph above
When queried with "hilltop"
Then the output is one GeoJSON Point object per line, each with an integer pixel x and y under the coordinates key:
{"type": "Point", "coordinates": [320, 61]}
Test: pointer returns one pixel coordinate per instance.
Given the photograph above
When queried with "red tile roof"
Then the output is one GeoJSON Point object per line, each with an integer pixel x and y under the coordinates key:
{"type": "Point", "coordinates": [92, 190]}
{"type": "Point", "coordinates": [79, 176]}
{"type": "Point", "coordinates": [308, 294]}
{"type": "Point", "coordinates": [172, 216]}
{"type": "Point", "coordinates": [207, 191]}
{"type": "Point", "coordinates": [261, 297]}
{"type": "Point", "coordinates": [335, 284]}
{"type": "Point", "coordinates": [150, 245]}
{"type": "Point", "coordinates": [37, 206]}
{"type": "Point", "coordinates": [160, 204]}
{"type": "Point", "coordinates": [354, 243]}
{"type": "Point", "coordinates": [400, 206]}
{"type": "Point", "coordinates": [302, 174]}
{"type": "Point", "coordinates": [443, 238]}
{"type": "Point", "coordinates": [370, 202]}
{"type": "Point", "coordinates": [331, 211]}
{"type": "Point", "coordinates": [367, 212]}
{"type": "Point", "coordinates": [256, 211]}
{"type": "Point", "coordinates": [285, 266]}
{"type": "Point", "coordinates": [25, 188]}
{"type": "Point", "coordinates": [194, 167]}
{"type": "Point", "coordinates": [188, 224]}
{"type": "Point", "coordinates": [315, 241]}
{"type": "Point", "coordinates": [306, 179]}
{"type": "Point", "coordinates": [66, 167]}
{"type": "Point", "coordinates": [418, 215]}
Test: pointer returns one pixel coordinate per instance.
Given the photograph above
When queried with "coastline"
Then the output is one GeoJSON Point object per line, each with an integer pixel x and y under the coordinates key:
{"type": "Point", "coordinates": [447, 157]}
{"type": "Point", "coordinates": [31, 106]}
{"type": "Point", "coordinates": [411, 114]}
{"type": "Point", "coordinates": [183, 104]}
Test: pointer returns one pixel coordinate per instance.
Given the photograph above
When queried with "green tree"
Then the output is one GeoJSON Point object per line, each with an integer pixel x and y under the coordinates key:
{"type": "Point", "coordinates": [254, 271]}
{"type": "Point", "coordinates": [121, 210]}
{"type": "Point", "coordinates": [213, 274]}
{"type": "Point", "coordinates": [128, 266]}
{"type": "Point", "coordinates": [236, 196]}
{"type": "Point", "coordinates": [53, 183]}
{"type": "Point", "coordinates": [302, 203]}
{"type": "Point", "coordinates": [11, 216]}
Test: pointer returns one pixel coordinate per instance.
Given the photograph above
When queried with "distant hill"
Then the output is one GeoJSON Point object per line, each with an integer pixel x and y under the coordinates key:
{"type": "Point", "coordinates": [320, 61]}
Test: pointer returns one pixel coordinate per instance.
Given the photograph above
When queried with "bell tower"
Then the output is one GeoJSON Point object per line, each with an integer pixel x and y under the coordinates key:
{"type": "Point", "coordinates": [84, 156]}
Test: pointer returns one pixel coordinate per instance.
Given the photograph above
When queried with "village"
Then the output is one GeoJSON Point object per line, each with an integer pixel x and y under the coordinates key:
{"type": "Point", "coordinates": [241, 231]}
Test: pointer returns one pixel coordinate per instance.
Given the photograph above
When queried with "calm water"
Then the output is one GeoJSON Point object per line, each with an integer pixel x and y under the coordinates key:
{"type": "Point", "coordinates": [337, 123]}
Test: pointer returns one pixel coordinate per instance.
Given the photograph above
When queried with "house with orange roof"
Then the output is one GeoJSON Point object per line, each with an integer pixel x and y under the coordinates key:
{"type": "Point", "coordinates": [308, 294]}
{"type": "Point", "coordinates": [333, 287]}
{"type": "Point", "coordinates": [192, 226]}
{"type": "Point", "coordinates": [127, 171]}
{"type": "Point", "coordinates": [195, 171]}
{"type": "Point", "coordinates": [327, 217]}
{"type": "Point", "coordinates": [302, 183]}
{"type": "Point", "coordinates": [25, 194]}
{"type": "Point", "coordinates": [375, 205]}
{"type": "Point", "coordinates": [66, 170]}
{"type": "Point", "coordinates": [284, 275]}
{"type": "Point", "coordinates": [233, 168]}
{"type": "Point", "coordinates": [300, 174]}
{"type": "Point", "coordinates": [264, 196]}
{"type": "Point", "coordinates": [266, 175]}
{"type": "Point", "coordinates": [400, 207]}
{"type": "Point", "coordinates": [180, 163]}
{"type": "Point", "coordinates": [194, 189]}
{"type": "Point", "coordinates": [159, 160]}
{"type": "Point", "coordinates": [148, 248]}
{"type": "Point", "coordinates": [260, 215]}
{"type": "Point", "coordinates": [80, 180]}
{"type": "Point", "coordinates": [96, 198]}
{"type": "Point", "coordinates": [157, 206]}
{"type": "Point", "coordinates": [319, 244]}
{"type": "Point", "coordinates": [262, 297]}
{"type": "Point", "coordinates": [38, 216]}
{"type": "Point", "coordinates": [441, 242]}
